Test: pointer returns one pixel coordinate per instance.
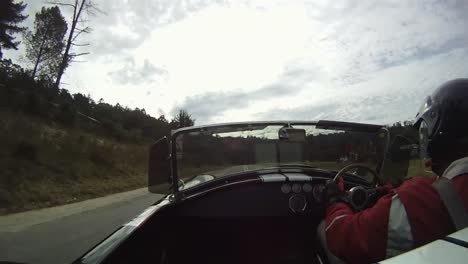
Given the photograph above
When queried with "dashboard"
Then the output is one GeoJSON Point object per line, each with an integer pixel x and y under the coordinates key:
{"type": "Point", "coordinates": [273, 195]}
{"type": "Point", "coordinates": [250, 221]}
{"type": "Point", "coordinates": [267, 218]}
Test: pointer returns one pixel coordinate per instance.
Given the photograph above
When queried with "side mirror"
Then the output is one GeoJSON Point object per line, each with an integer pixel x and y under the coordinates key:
{"type": "Point", "coordinates": [159, 167]}
{"type": "Point", "coordinates": [396, 161]}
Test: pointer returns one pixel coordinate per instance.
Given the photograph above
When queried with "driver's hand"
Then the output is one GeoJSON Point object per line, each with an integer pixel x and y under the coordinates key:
{"type": "Point", "coordinates": [333, 193]}
{"type": "Point", "coordinates": [383, 190]}
{"type": "Point", "coordinates": [379, 192]}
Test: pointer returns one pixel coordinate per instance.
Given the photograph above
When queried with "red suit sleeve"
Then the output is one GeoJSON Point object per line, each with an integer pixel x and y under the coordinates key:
{"type": "Point", "coordinates": [358, 237]}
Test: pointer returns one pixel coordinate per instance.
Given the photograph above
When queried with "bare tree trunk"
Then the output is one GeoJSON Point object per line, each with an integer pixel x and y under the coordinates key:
{"type": "Point", "coordinates": [65, 59]}
{"type": "Point", "coordinates": [37, 63]}
{"type": "Point", "coordinates": [40, 54]}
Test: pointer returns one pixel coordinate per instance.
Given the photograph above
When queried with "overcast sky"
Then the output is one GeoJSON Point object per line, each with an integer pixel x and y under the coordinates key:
{"type": "Point", "coordinates": [366, 61]}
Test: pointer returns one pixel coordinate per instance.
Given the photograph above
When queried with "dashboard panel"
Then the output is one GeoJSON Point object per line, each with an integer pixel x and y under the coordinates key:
{"type": "Point", "coordinates": [274, 195]}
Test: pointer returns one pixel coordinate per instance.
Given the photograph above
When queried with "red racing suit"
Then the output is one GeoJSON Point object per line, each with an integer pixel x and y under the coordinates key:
{"type": "Point", "coordinates": [405, 218]}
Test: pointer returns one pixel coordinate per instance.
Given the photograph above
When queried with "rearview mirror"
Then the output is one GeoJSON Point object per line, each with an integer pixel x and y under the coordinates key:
{"type": "Point", "coordinates": [159, 167]}
{"type": "Point", "coordinates": [396, 161]}
{"type": "Point", "coordinates": [292, 134]}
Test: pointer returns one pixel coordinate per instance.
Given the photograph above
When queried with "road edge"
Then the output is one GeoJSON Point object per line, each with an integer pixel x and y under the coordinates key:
{"type": "Point", "coordinates": [19, 221]}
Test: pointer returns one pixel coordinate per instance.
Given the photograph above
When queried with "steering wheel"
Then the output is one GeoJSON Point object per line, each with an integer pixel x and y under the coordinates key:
{"type": "Point", "coordinates": [356, 166]}
{"type": "Point", "coordinates": [359, 197]}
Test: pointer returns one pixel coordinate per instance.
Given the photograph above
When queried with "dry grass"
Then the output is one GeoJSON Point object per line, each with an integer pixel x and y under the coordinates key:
{"type": "Point", "coordinates": [44, 165]}
{"type": "Point", "coordinates": [416, 169]}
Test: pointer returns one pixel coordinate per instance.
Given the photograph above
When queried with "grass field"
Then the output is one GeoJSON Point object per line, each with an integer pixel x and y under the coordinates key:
{"type": "Point", "coordinates": [416, 169]}
{"type": "Point", "coordinates": [44, 165]}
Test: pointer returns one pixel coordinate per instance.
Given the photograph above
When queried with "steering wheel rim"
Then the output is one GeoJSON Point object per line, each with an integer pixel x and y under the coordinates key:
{"type": "Point", "coordinates": [355, 166]}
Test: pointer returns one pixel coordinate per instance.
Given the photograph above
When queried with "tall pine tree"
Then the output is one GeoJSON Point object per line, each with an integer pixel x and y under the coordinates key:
{"type": "Point", "coordinates": [182, 119]}
{"type": "Point", "coordinates": [44, 46]}
{"type": "Point", "coordinates": [10, 16]}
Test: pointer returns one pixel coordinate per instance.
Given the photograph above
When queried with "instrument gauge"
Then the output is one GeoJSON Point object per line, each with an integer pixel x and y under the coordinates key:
{"type": "Point", "coordinates": [296, 188]}
{"type": "Point", "coordinates": [286, 188]}
{"type": "Point", "coordinates": [307, 188]}
{"type": "Point", "coordinates": [317, 192]}
{"type": "Point", "coordinates": [297, 203]}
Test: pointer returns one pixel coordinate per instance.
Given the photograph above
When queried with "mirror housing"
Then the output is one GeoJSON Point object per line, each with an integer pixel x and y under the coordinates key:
{"type": "Point", "coordinates": [292, 134]}
{"type": "Point", "coordinates": [396, 162]}
{"type": "Point", "coordinates": [159, 167]}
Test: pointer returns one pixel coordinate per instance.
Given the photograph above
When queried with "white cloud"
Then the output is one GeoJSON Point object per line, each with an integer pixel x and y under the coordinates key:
{"type": "Point", "coordinates": [239, 60]}
{"type": "Point", "coordinates": [384, 98]}
{"type": "Point", "coordinates": [224, 49]}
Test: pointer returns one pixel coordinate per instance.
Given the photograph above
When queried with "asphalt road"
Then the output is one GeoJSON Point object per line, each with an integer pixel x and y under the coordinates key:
{"type": "Point", "coordinates": [62, 239]}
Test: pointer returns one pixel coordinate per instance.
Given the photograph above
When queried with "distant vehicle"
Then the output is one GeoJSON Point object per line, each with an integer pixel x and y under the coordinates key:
{"type": "Point", "coordinates": [252, 192]}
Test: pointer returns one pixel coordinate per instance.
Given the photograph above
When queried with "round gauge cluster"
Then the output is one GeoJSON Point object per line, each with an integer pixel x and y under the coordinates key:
{"type": "Point", "coordinates": [299, 191]}
{"type": "Point", "coordinates": [296, 188]}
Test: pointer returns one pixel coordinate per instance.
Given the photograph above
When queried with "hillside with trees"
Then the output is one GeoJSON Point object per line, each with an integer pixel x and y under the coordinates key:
{"type": "Point", "coordinates": [57, 146]}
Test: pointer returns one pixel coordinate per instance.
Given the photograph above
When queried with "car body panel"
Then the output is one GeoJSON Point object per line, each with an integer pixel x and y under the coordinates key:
{"type": "Point", "coordinates": [99, 253]}
{"type": "Point", "coordinates": [439, 251]}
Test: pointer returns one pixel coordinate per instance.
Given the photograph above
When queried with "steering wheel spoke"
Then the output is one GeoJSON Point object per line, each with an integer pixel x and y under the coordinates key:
{"type": "Point", "coordinates": [354, 166]}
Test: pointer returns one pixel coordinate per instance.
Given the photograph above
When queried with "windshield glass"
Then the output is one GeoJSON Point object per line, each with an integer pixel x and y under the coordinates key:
{"type": "Point", "coordinates": [225, 151]}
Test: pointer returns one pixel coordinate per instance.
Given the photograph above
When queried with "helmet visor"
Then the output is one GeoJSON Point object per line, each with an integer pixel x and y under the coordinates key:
{"type": "Point", "coordinates": [423, 140]}
{"type": "Point", "coordinates": [424, 108]}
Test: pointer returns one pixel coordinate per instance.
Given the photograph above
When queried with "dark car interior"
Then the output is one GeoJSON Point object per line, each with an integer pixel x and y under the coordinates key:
{"type": "Point", "coordinates": [252, 222]}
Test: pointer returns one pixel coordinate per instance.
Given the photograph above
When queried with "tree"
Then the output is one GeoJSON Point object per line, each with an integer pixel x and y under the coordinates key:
{"type": "Point", "coordinates": [10, 17]}
{"type": "Point", "coordinates": [182, 119]}
{"type": "Point", "coordinates": [76, 29]}
{"type": "Point", "coordinates": [408, 123]}
{"type": "Point", "coordinates": [44, 47]}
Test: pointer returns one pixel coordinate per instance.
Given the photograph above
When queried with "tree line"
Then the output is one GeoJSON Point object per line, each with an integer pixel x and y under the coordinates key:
{"type": "Point", "coordinates": [39, 97]}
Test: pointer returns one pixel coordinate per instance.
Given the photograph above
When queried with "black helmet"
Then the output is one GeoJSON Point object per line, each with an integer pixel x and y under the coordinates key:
{"type": "Point", "coordinates": [443, 122]}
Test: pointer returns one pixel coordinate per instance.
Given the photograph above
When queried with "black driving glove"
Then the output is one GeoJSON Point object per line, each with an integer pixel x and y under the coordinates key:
{"type": "Point", "coordinates": [332, 193]}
